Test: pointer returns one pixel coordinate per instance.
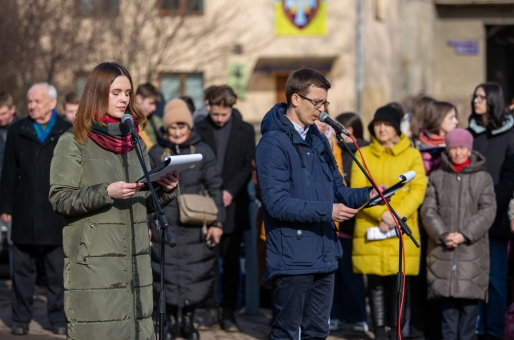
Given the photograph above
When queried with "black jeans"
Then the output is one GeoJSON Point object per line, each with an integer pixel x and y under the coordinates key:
{"type": "Point", "coordinates": [459, 318]}
{"type": "Point", "coordinates": [349, 302]}
{"type": "Point", "coordinates": [24, 280]}
{"type": "Point", "coordinates": [302, 302]}
{"type": "Point", "coordinates": [229, 250]}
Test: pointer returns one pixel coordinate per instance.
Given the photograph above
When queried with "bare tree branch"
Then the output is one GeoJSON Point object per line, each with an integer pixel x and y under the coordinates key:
{"type": "Point", "coordinates": [50, 40]}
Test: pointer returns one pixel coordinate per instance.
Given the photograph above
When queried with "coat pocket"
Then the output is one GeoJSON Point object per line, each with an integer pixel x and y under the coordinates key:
{"type": "Point", "coordinates": [327, 169]}
{"type": "Point", "coordinates": [86, 241]}
{"type": "Point", "coordinates": [298, 247]}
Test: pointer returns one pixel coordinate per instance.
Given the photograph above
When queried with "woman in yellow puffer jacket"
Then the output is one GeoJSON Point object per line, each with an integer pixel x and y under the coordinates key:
{"type": "Point", "coordinates": [389, 155]}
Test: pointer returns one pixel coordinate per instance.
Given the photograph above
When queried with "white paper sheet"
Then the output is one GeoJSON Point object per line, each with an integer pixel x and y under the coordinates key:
{"type": "Point", "coordinates": [172, 163]}
{"type": "Point", "coordinates": [374, 234]}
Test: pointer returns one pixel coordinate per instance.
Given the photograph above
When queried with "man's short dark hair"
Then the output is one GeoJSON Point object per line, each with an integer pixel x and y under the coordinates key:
{"type": "Point", "coordinates": [148, 90]}
{"type": "Point", "coordinates": [6, 99]}
{"type": "Point", "coordinates": [300, 81]}
{"type": "Point", "coordinates": [207, 92]}
{"type": "Point", "coordinates": [71, 98]}
{"type": "Point", "coordinates": [222, 96]}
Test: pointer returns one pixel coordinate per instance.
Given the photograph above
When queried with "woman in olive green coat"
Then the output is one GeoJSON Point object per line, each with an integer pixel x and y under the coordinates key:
{"type": "Point", "coordinates": [107, 273]}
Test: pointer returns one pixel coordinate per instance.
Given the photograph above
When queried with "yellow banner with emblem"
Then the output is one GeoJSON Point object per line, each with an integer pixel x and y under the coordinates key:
{"type": "Point", "coordinates": [300, 17]}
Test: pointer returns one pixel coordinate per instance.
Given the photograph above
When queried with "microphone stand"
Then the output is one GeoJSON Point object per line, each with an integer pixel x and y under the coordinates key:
{"type": "Point", "coordinates": [162, 223]}
{"type": "Point", "coordinates": [401, 222]}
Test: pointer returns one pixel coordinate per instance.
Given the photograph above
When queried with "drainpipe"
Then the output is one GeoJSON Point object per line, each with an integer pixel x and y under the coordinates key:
{"type": "Point", "coordinates": [360, 54]}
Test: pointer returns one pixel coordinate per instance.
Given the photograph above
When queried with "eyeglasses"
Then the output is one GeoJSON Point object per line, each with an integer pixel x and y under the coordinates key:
{"type": "Point", "coordinates": [317, 103]}
{"type": "Point", "coordinates": [479, 97]}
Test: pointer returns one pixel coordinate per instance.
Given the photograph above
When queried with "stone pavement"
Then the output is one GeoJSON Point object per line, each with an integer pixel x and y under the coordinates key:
{"type": "Point", "coordinates": [252, 326]}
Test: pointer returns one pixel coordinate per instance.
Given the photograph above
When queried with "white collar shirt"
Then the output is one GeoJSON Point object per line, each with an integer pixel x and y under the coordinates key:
{"type": "Point", "coordinates": [301, 130]}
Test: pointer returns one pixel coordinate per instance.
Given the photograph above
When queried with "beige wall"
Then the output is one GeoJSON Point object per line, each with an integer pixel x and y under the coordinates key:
{"type": "Point", "coordinates": [381, 54]}
{"type": "Point", "coordinates": [339, 43]}
{"type": "Point", "coordinates": [417, 54]}
{"type": "Point", "coordinates": [384, 58]}
{"type": "Point", "coordinates": [457, 75]}
{"type": "Point", "coordinates": [405, 52]}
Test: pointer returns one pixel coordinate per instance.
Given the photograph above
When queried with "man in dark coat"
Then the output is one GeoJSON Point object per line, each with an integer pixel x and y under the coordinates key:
{"type": "Point", "coordinates": [36, 228]}
{"type": "Point", "coordinates": [7, 119]}
{"type": "Point", "coordinates": [233, 142]}
{"type": "Point", "coordinates": [302, 194]}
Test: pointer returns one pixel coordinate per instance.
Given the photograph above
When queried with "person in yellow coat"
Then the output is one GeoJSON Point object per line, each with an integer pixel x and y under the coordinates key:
{"type": "Point", "coordinates": [389, 155]}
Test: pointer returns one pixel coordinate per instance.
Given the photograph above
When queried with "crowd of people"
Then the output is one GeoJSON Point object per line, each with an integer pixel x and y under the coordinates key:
{"type": "Point", "coordinates": [457, 206]}
{"type": "Point", "coordinates": [77, 215]}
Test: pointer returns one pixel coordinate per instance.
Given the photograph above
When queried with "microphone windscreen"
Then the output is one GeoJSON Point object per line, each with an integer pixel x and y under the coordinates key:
{"type": "Point", "coordinates": [322, 116]}
{"type": "Point", "coordinates": [126, 117]}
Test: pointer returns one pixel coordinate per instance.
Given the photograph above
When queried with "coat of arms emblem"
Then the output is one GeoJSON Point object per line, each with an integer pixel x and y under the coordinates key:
{"type": "Point", "coordinates": [300, 12]}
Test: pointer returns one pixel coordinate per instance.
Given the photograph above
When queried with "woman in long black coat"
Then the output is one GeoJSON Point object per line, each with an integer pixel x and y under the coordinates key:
{"type": "Point", "coordinates": [189, 267]}
{"type": "Point", "coordinates": [493, 133]}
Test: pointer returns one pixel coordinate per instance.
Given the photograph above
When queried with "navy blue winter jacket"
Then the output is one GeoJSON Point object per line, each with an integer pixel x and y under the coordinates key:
{"type": "Point", "coordinates": [299, 182]}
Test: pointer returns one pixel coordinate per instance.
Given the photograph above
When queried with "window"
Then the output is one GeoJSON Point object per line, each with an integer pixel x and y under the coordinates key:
{"type": "Point", "coordinates": [180, 7]}
{"type": "Point", "coordinates": [97, 7]}
{"type": "Point", "coordinates": [80, 81]}
{"type": "Point", "coordinates": [174, 85]}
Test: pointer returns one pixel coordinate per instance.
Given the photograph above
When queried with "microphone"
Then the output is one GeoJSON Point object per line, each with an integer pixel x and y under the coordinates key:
{"type": "Point", "coordinates": [129, 122]}
{"type": "Point", "coordinates": [323, 117]}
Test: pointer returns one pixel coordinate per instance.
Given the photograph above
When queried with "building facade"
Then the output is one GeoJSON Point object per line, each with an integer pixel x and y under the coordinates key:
{"type": "Point", "coordinates": [372, 51]}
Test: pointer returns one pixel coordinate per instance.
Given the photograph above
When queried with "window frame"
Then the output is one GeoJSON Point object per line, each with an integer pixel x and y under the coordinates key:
{"type": "Point", "coordinates": [182, 10]}
{"type": "Point", "coordinates": [182, 76]}
{"type": "Point", "coordinates": [98, 9]}
{"type": "Point", "coordinates": [82, 75]}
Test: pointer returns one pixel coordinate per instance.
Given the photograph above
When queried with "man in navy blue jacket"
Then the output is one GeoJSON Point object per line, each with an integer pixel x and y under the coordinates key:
{"type": "Point", "coordinates": [302, 193]}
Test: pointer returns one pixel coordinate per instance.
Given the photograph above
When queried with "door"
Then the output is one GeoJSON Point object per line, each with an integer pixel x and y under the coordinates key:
{"type": "Point", "coordinates": [500, 56]}
{"type": "Point", "coordinates": [281, 87]}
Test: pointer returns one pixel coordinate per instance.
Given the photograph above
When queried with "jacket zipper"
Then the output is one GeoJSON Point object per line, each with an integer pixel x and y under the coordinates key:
{"type": "Point", "coordinates": [453, 279]}
{"type": "Point", "coordinates": [130, 270]}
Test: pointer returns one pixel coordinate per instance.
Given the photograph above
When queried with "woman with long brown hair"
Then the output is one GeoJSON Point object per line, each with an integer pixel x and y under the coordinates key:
{"type": "Point", "coordinates": [107, 275]}
{"type": "Point", "coordinates": [349, 304]}
{"type": "Point", "coordinates": [417, 113]}
{"type": "Point", "coordinates": [440, 118]}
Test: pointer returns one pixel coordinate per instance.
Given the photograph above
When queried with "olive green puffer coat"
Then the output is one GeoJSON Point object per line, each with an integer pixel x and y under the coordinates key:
{"type": "Point", "coordinates": [107, 273]}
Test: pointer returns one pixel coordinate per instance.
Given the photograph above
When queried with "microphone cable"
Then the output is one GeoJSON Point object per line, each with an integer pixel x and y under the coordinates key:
{"type": "Point", "coordinates": [400, 234]}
